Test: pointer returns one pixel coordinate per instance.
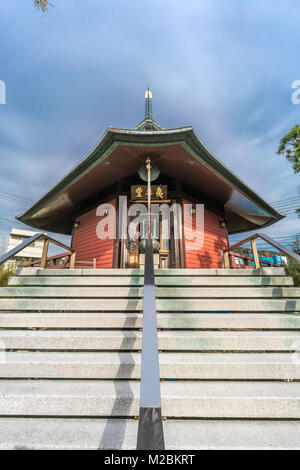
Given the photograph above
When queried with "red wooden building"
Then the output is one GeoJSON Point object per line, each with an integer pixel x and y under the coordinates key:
{"type": "Point", "coordinates": [187, 170]}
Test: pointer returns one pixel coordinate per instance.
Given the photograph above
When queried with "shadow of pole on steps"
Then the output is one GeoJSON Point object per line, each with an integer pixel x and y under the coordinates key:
{"type": "Point", "coordinates": [113, 436]}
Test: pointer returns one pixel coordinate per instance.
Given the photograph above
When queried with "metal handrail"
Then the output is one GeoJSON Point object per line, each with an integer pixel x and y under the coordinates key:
{"type": "Point", "coordinates": [248, 259]}
{"type": "Point", "coordinates": [51, 259]}
{"type": "Point", "coordinates": [150, 429]}
{"type": "Point", "coordinates": [32, 239]}
{"type": "Point", "coordinates": [291, 254]}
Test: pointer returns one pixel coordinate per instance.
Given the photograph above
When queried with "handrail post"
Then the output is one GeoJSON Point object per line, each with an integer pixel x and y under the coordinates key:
{"type": "Point", "coordinates": [72, 260]}
{"type": "Point", "coordinates": [150, 429]}
{"type": "Point", "coordinates": [226, 260]}
{"type": "Point", "coordinates": [255, 253]}
{"type": "Point", "coordinates": [44, 254]}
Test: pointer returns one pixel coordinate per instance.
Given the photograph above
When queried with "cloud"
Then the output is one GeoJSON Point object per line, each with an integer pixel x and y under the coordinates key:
{"type": "Point", "coordinates": [224, 67]}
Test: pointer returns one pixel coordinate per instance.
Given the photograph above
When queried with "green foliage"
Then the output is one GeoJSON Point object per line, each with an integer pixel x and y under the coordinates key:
{"type": "Point", "coordinates": [5, 273]}
{"type": "Point", "coordinates": [293, 269]}
{"type": "Point", "coordinates": [42, 4]}
{"type": "Point", "coordinates": [290, 147]}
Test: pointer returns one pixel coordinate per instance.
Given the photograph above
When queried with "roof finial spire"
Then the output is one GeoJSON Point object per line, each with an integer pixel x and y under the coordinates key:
{"type": "Point", "coordinates": [148, 104]}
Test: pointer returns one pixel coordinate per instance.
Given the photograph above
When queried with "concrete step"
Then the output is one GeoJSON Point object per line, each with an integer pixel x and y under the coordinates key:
{"type": "Point", "coordinates": [77, 383]}
{"type": "Point", "coordinates": [187, 281]}
{"type": "Point", "coordinates": [81, 272]}
{"type": "Point", "coordinates": [75, 292]}
{"type": "Point", "coordinates": [89, 281]}
{"type": "Point", "coordinates": [177, 321]}
{"type": "Point", "coordinates": [221, 272]}
{"type": "Point", "coordinates": [167, 340]}
{"type": "Point", "coordinates": [160, 272]}
{"type": "Point", "coordinates": [201, 399]}
{"type": "Point", "coordinates": [162, 305]}
{"type": "Point", "coordinates": [69, 305]}
{"type": "Point", "coordinates": [161, 292]}
{"type": "Point", "coordinates": [225, 292]}
{"type": "Point", "coordinates": [66, 365]}
{"type": "Point", "coordinates": [121, 434]}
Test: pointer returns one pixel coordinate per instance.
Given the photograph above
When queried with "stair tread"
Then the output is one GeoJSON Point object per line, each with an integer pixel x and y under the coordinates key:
{"type": "Point", "coordinates": [80, 272]}
{"type": "Point", "coordinates": [267, 271]}
{"type": "Point", "coordinates": [220, 316]}
{"type": "Point", "coordinates": [167, 340]}
{"type": "Point", "coordinates": [136, 281]}
{"type": "Point", "coordinates": [138, 334]}
{"type": "Point", "coordinates": [170, 305]}
{"type": "Point", "coordinates": [120, 398]}
{"type": "Point", "coordinates": [164, 320]}
{"type": "Point", "coordinates": [131, 388]}
{"type": "Point", "coordinates": [87, 434]}
{"type": "Point", "coordinates": [135, 358]}
{"type": "Point", "coordinates": [192, 366]}
{"type": "Point", "coordinates": [168, 292]}
{"type": "Point", "coordinates": [76, 383]}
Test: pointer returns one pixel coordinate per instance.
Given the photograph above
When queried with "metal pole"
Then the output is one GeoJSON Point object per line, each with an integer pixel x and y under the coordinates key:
{"type": "Point", "coordinates": [150, 430]}
{"type": "Point", "coordinates": [148, 166]}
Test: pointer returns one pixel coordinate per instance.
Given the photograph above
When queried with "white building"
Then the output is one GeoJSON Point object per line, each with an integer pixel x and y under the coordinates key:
{"type": "Point", "coordinates": [30, 253]}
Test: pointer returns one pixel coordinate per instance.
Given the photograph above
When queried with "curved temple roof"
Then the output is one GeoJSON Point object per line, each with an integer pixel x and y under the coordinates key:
{"type": "Point", "coordinates": [177, 152]}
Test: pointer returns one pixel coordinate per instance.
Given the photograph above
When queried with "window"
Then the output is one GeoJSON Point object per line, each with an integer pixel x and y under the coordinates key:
{"type": "Point", "coordinates": [17, 238]}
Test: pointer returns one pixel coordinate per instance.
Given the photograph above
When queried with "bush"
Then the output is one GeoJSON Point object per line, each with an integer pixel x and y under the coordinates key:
{"type": "Point", "coordinates": [5, 273]}
{"type": "Point", "coordinates": [293, 269]}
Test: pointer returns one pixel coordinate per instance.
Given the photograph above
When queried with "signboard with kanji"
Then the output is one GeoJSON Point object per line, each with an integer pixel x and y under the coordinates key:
{"type": "Point", "coordinates": [140, 193]}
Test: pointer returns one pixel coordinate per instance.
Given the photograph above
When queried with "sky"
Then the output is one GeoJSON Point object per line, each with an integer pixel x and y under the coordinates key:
{"type": "Point", "coordinates": [226, 67]}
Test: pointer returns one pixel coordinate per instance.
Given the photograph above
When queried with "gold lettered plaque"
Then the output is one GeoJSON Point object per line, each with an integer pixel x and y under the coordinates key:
{"type": "Point", "coordinates": [140, 192]}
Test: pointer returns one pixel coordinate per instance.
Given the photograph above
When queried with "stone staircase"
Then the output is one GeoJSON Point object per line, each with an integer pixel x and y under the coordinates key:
{"type": "Point", "coordinates": [229, 345]}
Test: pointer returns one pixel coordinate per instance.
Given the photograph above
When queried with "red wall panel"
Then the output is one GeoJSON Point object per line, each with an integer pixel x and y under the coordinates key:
{"type": "Point", "coordinates": [215, 240]}
{"type": "Point", "coordinates": [86, 243]}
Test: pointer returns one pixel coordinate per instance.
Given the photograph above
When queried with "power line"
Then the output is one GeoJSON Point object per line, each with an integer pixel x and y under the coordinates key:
{"type": "Point", "coordinates": [285, 200]}
{"type": "Point", "coordinates": [287, 204]}
{"type": "Point", "coordinates": [276, 237]}
{"type": "Point", "coordinates": [17, 203]}
{"type": "Point", "coordinates": [296, 234]}
{"type": "Point", "coordinates": [5, 219]}
{"type": "Point", "coordinates": [288, 209]}
{"type": "Point", "coordinates": [290, 212]}
{"type": "Point", "coordinates": [16, 196]}
{"type": "Point", "coordinates": [280, 201]}
{"type": "Point", "coordinates": [282, 239]}
{"type": "Point", "coordinates": [291, 242]}
{"type": "Point", "coordinates": [291, 204]}
{"type": "Point", "coordinates": [16, 199]}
